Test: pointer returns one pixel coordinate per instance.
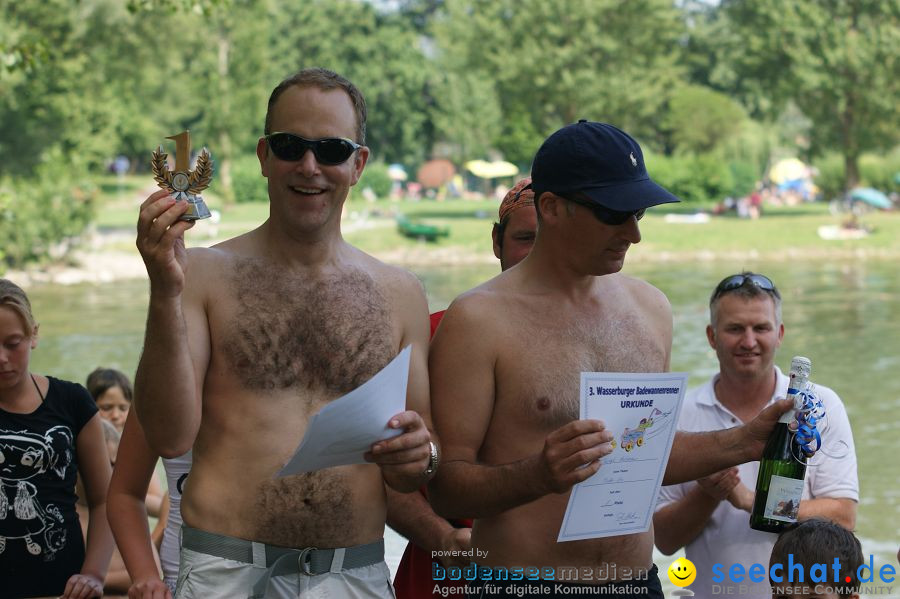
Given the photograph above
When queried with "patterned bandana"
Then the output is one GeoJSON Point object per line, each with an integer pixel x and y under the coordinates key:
{"type": "Point", "coordinates": [517, 197]}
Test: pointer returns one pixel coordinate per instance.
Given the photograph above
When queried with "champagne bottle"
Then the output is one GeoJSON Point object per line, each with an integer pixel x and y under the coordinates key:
{"type": "Point", "coordinates": [782, 469]}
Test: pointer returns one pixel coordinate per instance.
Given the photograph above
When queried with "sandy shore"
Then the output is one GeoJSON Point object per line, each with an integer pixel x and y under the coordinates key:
{"type": "Point", "coordinates": [103, 258]}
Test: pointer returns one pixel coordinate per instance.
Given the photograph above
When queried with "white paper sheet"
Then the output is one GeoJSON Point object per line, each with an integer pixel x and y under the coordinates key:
{"type": "Point", "coordinates": [341, 432]}
{"type": "Point", "coordinates": [642, 412]}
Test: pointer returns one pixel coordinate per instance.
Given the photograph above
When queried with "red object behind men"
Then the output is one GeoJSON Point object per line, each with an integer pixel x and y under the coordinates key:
{"type": "Point", "coordinates": [414, 579]}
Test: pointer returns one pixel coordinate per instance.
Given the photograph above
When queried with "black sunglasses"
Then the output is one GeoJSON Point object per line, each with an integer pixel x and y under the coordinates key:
{"type": "Point", "coordinates": [734, 281]}
{"type": "Point", "coordinates": [605, 215]}
{"type": "Point", "coordinates": [328, 150]}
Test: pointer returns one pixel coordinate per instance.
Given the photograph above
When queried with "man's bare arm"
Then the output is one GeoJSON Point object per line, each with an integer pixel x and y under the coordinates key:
{"type": "Point", "coordinates": [169, 379]}
{"type": "Point", "coordinates": [570, 455]}
{"type": "Point", "coordinates": [695, 455]}
{"type": "Point", "coordinates": [680, 522]}
{"type": "Point", "coordinates": [404, 458]}
{"type": "Point", "coordinates": [839, 510]}
{"type": "Point", "coordinates": [411, 515]}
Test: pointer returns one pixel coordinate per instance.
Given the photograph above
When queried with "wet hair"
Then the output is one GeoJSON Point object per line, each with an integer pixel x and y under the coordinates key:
{"type": "Point", "coordinates": [748, 290]}
{"type": "Point", "coordinates": [103, 379]}
{"type": "Point", "coordinates": [324, 80]}
{"type": "Point", "coordinates": [13, 297]}
{"type": "Point", "coordinates": [820, 541]}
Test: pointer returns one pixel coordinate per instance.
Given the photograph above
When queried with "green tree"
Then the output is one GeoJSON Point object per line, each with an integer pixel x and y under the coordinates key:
{"type": "Point", "coordinates": [699, 119]}
{"type": "Point", "coordinates": [837, 61]}
{"type": "Point", "coordinates": [466, 114]}
{"type": "Point", "coordinates": [379, 51]}
{"type": "Point", "coordinates": [555, 62]}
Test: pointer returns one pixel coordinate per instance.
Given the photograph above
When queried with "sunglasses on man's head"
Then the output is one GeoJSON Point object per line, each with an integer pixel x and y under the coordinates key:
{"type": "Point", "coordinates": [605, 215]}
{"type": "Point", "coordinates": [328, 150]}
{"type": "Point", "coordinates": [734, 281]}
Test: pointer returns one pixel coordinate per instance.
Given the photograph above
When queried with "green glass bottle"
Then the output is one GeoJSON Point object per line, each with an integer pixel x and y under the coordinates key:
{"type": "Point", "coordinates": [782, 469]}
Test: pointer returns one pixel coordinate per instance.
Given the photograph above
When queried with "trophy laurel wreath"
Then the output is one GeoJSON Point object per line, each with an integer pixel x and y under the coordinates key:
{"type": "Point", "coordinates": [184, 184]}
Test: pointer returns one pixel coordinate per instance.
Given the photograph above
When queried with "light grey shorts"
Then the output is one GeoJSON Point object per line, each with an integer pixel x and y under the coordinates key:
{"type": "Point", "coordinates": [203, 576]}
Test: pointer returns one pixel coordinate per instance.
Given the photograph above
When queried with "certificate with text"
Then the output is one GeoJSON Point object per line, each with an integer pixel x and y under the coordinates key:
{"type": "Point", "coordinates": [641, 410]}
{"type": "Point", "coordinates": [345, 429]}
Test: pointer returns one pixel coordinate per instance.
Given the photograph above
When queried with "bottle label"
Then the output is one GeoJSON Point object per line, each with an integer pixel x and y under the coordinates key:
{"type": "Point", "coordinates": [783, 501]}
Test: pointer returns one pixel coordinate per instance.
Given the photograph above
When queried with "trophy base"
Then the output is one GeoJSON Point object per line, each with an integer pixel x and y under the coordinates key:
{"type": "Point", "coordinates": [197, 209]}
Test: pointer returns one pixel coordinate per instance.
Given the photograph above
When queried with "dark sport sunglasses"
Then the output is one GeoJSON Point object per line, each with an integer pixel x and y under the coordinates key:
{"type": "Point", "coordinates": [734, 281]}
{"type": "Point", "coordinates": [328, 150]}
{"type": "Point", "coordinates": [605, 215]}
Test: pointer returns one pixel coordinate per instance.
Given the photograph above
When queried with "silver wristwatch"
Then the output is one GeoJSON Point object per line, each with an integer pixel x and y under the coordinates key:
{"type": "Point", "coordinates": [432, 459]}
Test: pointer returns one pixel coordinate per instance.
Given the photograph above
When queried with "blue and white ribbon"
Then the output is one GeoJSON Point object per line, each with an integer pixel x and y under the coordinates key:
{"type": "Point", "coordinates": [811, 412]}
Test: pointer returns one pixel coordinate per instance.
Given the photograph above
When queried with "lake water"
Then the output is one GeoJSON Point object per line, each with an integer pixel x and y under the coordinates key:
{"type": "Point", "coordinates": [844, 315]}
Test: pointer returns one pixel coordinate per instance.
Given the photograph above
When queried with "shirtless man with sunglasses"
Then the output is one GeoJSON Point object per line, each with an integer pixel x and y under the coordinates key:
{"type": "Point", "coordinates": [505, 366]}
{"type": "Point", "coordinates": [248, 339]}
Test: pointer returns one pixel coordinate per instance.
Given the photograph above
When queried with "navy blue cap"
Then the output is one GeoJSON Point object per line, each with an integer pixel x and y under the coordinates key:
{"type": "Point", "coordinates": [601, 161]}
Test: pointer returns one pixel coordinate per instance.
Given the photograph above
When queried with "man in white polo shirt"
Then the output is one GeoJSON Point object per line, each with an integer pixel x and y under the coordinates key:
{"type": "Point", "coordinates": [710, 517]}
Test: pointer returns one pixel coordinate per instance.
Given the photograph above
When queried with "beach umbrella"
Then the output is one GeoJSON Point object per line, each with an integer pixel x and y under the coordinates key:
{"type": "Point", "coordinates": [870, 196]}
{"type": "Point", "coordinates": [396, 172]}
{"type": "Point", "coordinates": [787, 170]}
{"type": "Point", "coordinates": [435, 173]}
{"type": "Point", "coordinates": [492, 170]}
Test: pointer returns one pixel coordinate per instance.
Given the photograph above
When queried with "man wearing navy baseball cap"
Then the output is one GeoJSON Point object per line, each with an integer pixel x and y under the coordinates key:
{"type": "Point", "coordinates": [601, 164]}
{"type": "Point", "coordinates": [505, 374]}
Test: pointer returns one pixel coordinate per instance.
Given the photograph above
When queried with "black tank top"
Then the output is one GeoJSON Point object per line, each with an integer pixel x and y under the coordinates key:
{"type": "Point", "coordinates": [40, 538]}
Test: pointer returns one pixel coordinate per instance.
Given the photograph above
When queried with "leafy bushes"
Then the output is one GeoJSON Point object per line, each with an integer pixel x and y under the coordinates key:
{"type": "Point", "coordinates": [878, 171]}
{"type": "Point", "coordinates": [881, 172]}
{"type": "Point", "coordinates": [700, 119]}
{"type": "Point", "coordinates": [830, 176]}
{"type": "Point", "coordinates": [702, 178]}
{"type": "Point", "coordinates": [42, 217]}
{"type": "Point", "coordinates": [249, 184]}
{"type": "Point", "coordinates": [376, 176]}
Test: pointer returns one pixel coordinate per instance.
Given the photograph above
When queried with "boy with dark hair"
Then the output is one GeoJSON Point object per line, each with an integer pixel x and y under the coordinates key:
{"type": "Point", "coordinates": [812, 542]}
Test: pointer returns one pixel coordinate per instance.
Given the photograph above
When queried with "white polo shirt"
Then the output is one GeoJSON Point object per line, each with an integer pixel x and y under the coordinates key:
{"type": "Point", "coordinates": [728, 538]}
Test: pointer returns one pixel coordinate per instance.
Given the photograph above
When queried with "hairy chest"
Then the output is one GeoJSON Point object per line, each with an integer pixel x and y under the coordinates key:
{"type": "Point", "coordinates": [275, 332]}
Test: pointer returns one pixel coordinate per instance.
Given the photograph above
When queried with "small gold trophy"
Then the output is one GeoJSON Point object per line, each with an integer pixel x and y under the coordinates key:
{"type": "Point", "coordinates": [184, 184]}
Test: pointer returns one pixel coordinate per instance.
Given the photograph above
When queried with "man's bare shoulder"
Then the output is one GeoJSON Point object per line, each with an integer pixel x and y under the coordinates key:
{"type": "Point", "coordinates": [650, 303]}
{"type": "Point", "coordinates": [205, 263]}
{"type": "Point", "coordinates": [224, 251]}
{"type": "Point", "coordinates": [478, 307]}
{"type": "Point", "coordinates": [646, 295]}
{"type": "Point", "coordinates": [209, 267]}
{"type": "Point", "coordinates": [394, 279]}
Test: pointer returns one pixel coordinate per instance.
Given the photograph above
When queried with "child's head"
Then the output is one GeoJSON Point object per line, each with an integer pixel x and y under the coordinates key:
{"type": "Point", "coordinates": [12, 297]}
{"type": "Point", "coordinates": [818, 541]}
{"type": "Point", "coordinates": [113, 393]}
{"type": "Point", "coordinates": [18, 334]}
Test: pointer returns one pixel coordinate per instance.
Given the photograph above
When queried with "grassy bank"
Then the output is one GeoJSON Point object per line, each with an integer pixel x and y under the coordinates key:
{"type": "Point", "coordinates": [789, 232]}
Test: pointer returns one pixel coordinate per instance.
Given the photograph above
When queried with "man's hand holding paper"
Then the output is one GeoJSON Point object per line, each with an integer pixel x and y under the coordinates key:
{"type": "Point", "coordinates": [572, 454]}
{"type": "Point", "coordinates": [370, 424]}
{"type": "Point", "coordinates": [404, 457]}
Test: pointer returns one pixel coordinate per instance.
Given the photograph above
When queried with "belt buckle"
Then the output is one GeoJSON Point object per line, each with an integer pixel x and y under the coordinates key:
{"type": "Point", "coordinates": [304, 560]}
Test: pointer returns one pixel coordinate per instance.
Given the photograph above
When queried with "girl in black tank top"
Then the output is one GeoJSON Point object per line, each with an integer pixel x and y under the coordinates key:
{"type": "Point", "coordinates": [49, 431]}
